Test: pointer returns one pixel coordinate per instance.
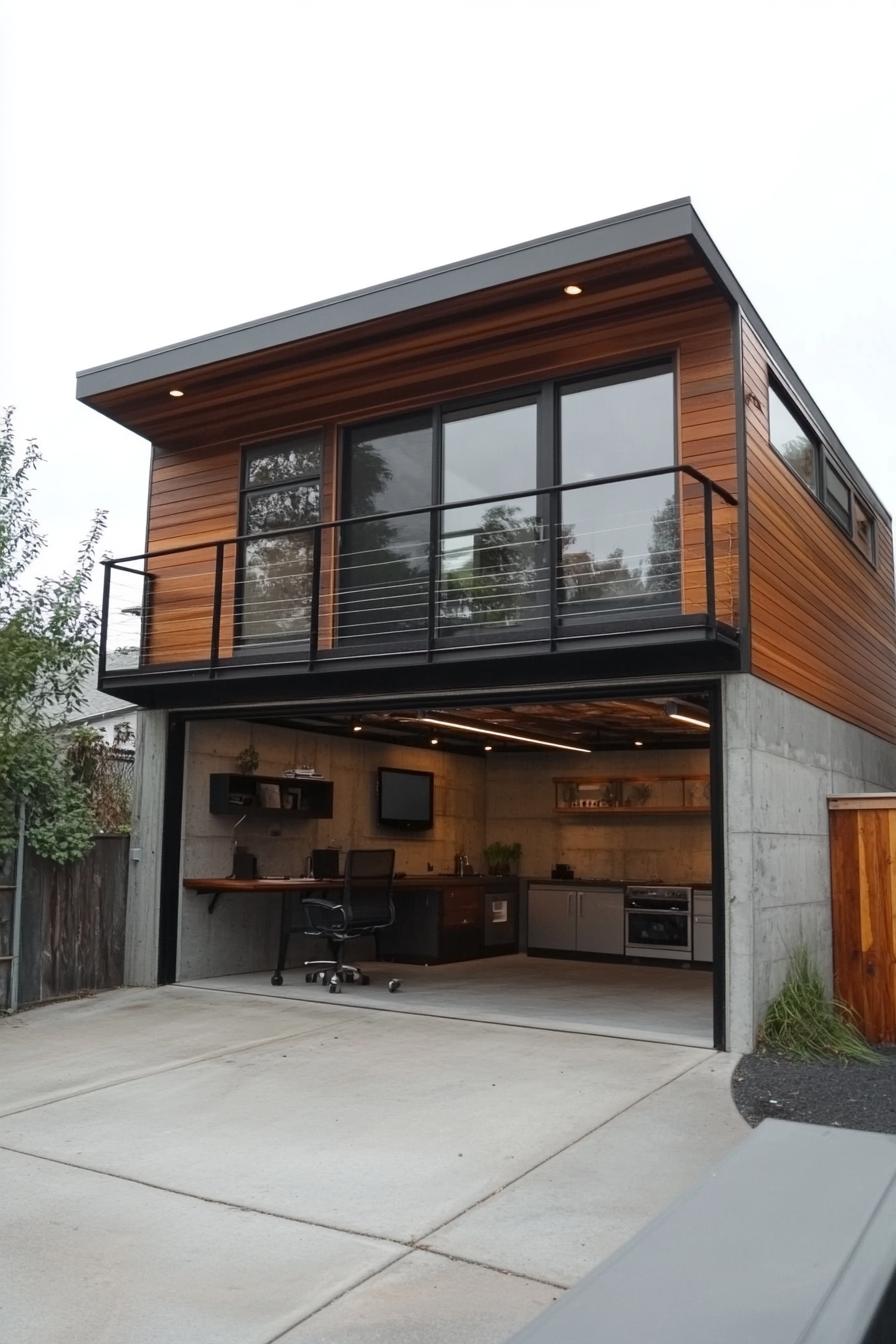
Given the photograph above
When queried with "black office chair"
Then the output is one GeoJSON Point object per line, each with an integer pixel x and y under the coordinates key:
{"type": "Point", "coordinates": [366, 905]}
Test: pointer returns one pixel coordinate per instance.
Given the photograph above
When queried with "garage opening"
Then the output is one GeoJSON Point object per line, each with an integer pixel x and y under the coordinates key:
{"type": "Point", "coordinates": [554, 861]}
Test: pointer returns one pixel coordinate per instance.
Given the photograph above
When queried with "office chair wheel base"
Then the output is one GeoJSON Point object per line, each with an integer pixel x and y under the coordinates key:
{"type": "Point", "coordinates": [393, 986]}
{"type": "Point", "coordinates": [276, 979]}
{"type": "Point", "coordinates": [335, 984]}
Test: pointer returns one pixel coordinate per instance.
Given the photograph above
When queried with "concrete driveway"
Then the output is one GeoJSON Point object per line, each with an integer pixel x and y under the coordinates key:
{"type": "Point", "coordinates": [180, 1166]}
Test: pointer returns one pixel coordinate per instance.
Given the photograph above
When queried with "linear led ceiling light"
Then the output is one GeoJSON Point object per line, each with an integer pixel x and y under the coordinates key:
{"type": "Point", "coordinates": [674, 711]}
{"type": "Point", "coordinates": [510, 737]}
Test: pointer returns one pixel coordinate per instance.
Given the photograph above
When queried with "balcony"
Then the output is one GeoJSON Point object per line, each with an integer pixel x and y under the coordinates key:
{"type": "Point", "coordinates": [643, 560]}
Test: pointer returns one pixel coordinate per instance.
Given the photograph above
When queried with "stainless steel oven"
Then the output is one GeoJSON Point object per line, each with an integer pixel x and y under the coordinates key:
{"type": "Point", "coordinates": [658, 922]}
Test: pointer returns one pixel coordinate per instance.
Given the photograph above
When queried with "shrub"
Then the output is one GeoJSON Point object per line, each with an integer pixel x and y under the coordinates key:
{"type": "Point", "coordinates": [803, 1021]}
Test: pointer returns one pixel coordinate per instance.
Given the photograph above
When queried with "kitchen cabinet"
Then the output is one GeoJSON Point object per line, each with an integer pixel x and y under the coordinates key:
{"type": "Point", "coordinates": [552, 918]}
{"type": "Point", "coordinates": [577, 919]}
{"type": "Point", "coordinates": [600, 923]}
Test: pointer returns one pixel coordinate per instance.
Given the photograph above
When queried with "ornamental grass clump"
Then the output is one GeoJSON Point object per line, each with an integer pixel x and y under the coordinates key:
{"type": "Point", "coordinates": [804, 1022]}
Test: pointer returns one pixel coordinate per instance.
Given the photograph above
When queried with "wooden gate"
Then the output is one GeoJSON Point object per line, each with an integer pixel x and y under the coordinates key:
{"type": "Point", "coordinates": [863, 892]}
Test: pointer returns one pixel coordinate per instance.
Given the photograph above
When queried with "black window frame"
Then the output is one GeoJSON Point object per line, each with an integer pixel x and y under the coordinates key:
{"type": "Point", "coordinates": [833, 508]}
{"type": "Point", "coordinates": [871, 554]}
{"type": "Point", "coordinates": [814, 487]}
{"type": "Point", "coordinates": [243, 643]}
{"type": "Point", "coordinates": [826, 462]}
{"type": "Point", "coordinates": [274, 446]}
{"type": "Point", "coordinates": [545, 395]}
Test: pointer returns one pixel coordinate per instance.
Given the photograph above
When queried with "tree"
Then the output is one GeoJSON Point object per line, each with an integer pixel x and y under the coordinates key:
{"type": "Point", "coordinates": [48, 632]}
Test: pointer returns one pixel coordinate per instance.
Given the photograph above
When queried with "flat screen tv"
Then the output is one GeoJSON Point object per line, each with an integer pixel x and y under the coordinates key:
{"type": "Point", "coordinates": [404, 798]}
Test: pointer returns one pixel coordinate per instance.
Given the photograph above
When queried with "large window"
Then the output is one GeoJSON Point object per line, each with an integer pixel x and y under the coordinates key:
{"type": "Point", "coordinates": [489, 573]}
{"type": "Point", "coordinates": [475, 569]}
{"type": "Point", "coordinates": [384, 563]}
{"type": "Point", "coordinates": [792, 439]}
{"type": "Point", "coordinates": [281, 490]}
{"type": "Point", "coordinates": [619, 542]}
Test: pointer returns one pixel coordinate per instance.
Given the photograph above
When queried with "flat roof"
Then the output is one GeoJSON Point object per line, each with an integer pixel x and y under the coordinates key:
{"type": "Point", "coordinates": [590, 242]}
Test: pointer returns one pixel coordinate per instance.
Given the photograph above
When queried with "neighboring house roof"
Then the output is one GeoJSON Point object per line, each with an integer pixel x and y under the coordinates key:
{"type": "Point", "coordinates": [97, 704]}
{"type": "Point", "coordinates": [591, 242]}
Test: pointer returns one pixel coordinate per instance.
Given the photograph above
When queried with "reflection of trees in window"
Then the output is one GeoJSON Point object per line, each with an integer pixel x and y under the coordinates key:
{"type": "Point", "coordinates": [664, 551]}
{"type": "Point", "coordinates": [614, 581]}
{"type": "Point", "coordinates": [281, 491]}
{"type": "Point", "coordinates": [497, 582]}
{"type": "Point", "coordinates": [800, 453]}
{"type": "Point", "coordinates": [384, 562]}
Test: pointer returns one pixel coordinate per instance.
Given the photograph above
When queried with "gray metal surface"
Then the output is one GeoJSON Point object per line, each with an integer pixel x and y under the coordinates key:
{"type": "Point", "coordinates": [789, 1240]}
{"type": "Point", "coordinates": [552, 918]}
{"type": "Point", "coordinates": [601, 922]}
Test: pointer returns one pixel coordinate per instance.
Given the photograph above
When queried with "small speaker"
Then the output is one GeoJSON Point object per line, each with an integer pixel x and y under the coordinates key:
{"type": "Point", "coordinates": [324, 863]}
{"type": "Point", "coordinates": [245, 864]}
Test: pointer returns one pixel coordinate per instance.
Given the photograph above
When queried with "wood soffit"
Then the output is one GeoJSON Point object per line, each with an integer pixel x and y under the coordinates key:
{"type": "Point", "coordinates": [614, 724]}
{"type": "Point", "coordinates": [228, 399]}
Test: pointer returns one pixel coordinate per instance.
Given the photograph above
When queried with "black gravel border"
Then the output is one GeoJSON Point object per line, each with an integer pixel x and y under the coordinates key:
{"type": "Point", "coordinates": [851, 1096]}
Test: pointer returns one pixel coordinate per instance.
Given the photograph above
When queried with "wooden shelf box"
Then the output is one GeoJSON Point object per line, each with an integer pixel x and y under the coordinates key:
{"type": "Point", "coordinates": [270, 796]}
{"type": "Point", "coordinates": [653, 795]}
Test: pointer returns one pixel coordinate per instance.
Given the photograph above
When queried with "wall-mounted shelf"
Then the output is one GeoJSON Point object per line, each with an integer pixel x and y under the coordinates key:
{"type": "Point", "coordinates": [649, 795]}
{"type": "Point", "coordinates": [270, 796]}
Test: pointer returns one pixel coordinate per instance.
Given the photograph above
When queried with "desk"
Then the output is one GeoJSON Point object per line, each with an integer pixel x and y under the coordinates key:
{"type": "Point", "coordinates": [285, 886]}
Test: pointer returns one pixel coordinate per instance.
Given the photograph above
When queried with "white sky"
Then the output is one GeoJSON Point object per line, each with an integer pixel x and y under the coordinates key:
{"type": "Point", "coordinates": [171, 168]}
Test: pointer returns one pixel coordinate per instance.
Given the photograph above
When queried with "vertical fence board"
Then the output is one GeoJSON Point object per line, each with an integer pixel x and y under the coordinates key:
{"type": "Point", "coordinates": [73, 920]}
{"type": "Point", "coordinates": [863, 891]}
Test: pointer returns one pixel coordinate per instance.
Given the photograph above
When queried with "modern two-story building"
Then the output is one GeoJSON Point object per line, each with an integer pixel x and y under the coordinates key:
{"type": "Point", "coordinates": [552, 547]}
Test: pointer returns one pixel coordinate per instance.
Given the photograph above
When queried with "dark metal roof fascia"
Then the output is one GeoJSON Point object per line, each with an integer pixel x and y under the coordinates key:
{"type": "Point", "coordinates": [590, 242]}
{"type": "Point", "coordinates": [730, 283]}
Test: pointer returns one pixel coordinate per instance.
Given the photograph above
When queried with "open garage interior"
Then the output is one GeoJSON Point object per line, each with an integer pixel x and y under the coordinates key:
{"type": "Point", "coordinates": [554, 862]}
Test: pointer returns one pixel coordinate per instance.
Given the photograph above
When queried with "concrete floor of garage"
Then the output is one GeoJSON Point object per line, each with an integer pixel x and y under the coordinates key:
{"type": "Point", "coordinates": [671, 1004]}
{"type": "Point", "coordinates": [182, 1164]}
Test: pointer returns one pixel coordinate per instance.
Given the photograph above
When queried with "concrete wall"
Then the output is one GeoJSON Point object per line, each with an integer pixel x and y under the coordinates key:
{"type": "Point", "coordinates": [783, 757]}
{"type": "Point", "coordinates": [241, 934]}
{"type": "Point", "coordinates": [141, 949]}
{"type": "Point", "coordinates": [520, 803]}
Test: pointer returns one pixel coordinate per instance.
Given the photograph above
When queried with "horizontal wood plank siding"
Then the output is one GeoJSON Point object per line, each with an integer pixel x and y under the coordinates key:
{"type": "Point", "coordinates": [823, 622]}
{"type": "Point", "coordinates": [195, 491]}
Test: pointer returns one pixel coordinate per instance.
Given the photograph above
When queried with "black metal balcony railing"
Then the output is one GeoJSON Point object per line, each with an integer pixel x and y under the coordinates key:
{"type": "Point", "coordinates": [639, 551]}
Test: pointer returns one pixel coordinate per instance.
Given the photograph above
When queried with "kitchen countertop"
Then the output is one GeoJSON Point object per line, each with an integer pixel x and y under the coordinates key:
{"type": "Point", "coordinates": [612, 882]}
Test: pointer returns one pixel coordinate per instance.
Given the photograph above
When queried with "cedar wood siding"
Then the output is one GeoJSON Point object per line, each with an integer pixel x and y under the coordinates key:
{"type": "Point", "coordinates": [821, 617]}
{"type": "Point", "coordinates": [195, 491]}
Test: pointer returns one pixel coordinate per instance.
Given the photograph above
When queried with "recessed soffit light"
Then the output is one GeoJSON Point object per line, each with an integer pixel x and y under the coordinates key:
{"type": "Point", "coordinates": [175, 392]}
{"type": "Point", "coordinates": [572, 290]}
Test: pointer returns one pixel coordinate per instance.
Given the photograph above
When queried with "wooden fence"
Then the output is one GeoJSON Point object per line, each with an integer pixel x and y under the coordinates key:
{"type": "Point", "coordinates": [73, 918]}
{"type": "Point", "coordinates": [863, 891]}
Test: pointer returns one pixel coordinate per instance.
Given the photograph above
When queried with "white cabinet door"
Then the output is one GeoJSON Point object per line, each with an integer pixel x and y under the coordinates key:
{"type": "Point", "coordinates": [601, 921]}
{"type": "Point", "coordinates": [552, 918]}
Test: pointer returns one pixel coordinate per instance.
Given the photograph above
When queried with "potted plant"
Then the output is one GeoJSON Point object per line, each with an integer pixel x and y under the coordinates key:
{"type": "Point", "coordinates": [500, 859]}
{"type": "Point", "coordinates": [247, 761]}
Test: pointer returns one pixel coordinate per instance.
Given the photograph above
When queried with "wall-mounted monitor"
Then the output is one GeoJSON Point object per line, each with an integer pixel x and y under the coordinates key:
{"type": "Point", "coordinates": [404, 798]}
